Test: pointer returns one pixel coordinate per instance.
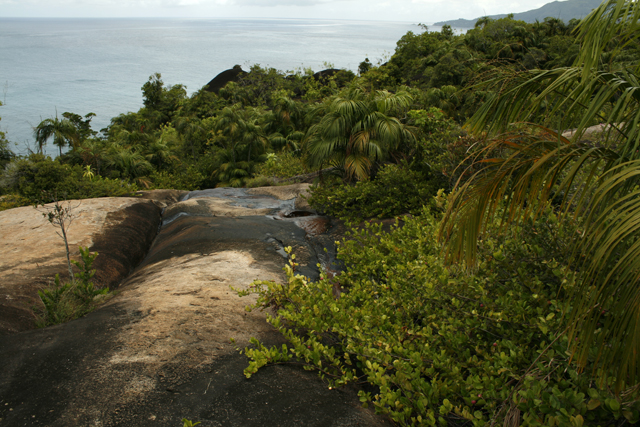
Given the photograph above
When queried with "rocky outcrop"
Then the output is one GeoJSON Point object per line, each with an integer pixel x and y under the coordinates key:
{"type": "Point", "coordinates": [32, 253]}
{"type": "Point", "coordinates": [341, 76]}
{"type": "Point", "coordinates": [590, 133]}
{"type": "Point", "coordinates": [221, 80]}
{"type": "Point", "coordinates": [326, 74]}
{"type": "Point", "coordinates": [162, 198]}
{"type": "Point", "coordinates": [297, 192]}
{"type": "Point", "coordinates": [236, 74]}
{"type": "Point", "coordinates": [166, 346]}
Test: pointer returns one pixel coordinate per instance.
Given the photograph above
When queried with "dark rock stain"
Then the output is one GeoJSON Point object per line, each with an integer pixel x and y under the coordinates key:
{"type": "Point", "coordinates": [124, 242]}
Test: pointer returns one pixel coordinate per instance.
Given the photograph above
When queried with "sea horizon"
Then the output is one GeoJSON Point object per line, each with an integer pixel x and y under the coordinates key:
{"type": "Point", "coordinates": [98, 65]}
{"type": "Point", "coordinates": [203, 18]}
{"type": "Point", "coordinates": [83, 65]}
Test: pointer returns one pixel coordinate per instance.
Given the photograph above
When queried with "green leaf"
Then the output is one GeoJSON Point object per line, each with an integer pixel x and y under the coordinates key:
{"type": "Point", "coordinates": [613, 404]}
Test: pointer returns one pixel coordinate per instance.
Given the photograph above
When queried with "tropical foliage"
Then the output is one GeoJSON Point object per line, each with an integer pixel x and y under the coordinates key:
{"type": "Point", "coordinates": [594, 181]}
{"type": "Point", "coordinates": [397, 190]}
{"type": "Point", "coordinates": [535, 289]}
{"type": "Point", "coordinates": [64, 302]}
{"type": "Point", "coordinates": [63, 133]}
{"type": "Point", "coordinates": [440, 346]}
{"type": "Point", "coordinates": [354, 124]}
{"type": "Point", "coordinates": [358, 129]}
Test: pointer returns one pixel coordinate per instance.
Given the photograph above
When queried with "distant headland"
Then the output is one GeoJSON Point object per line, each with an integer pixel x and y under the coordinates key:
{"type": "Point", "coordinates": [564, 10]}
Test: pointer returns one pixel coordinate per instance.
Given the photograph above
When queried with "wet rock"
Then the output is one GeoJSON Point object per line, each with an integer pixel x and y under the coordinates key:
{"type": "Point", "coordinates": [212, 207]}
{"type": "Point", "coordinates": [162, 198]}
{"type": "Point", "coordinates": [298, 192]}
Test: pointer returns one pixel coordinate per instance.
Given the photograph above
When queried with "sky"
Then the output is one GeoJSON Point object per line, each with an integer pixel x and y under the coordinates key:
{"type": "Point", "coordinates": [417, 11]}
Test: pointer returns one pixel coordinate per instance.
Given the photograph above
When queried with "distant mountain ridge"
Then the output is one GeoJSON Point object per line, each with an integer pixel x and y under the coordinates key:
{"type": "Point", "coordinates": [565, 10]}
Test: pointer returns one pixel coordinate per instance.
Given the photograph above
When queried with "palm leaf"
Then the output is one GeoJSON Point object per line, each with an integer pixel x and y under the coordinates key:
{"type": "Point", "coordinates": [612, 271]}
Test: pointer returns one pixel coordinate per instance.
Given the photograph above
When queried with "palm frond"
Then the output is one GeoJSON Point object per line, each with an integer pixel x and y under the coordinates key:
{"type": "Point", "coordinates": [524, 167]}
{"type": "Point", "coordinates": [610, 254]}
{"type": "Point", "coordinates": [537, 169]}
{"type": "Point", "coordinates": [613, 19]}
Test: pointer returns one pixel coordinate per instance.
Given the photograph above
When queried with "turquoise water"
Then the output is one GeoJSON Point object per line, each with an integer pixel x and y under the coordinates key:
{"type": "Point", "coordinates": [99, 65]}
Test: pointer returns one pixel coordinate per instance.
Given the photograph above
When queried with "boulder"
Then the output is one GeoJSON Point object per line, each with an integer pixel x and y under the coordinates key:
{"type": "Point", "coordinates": [162, 198]}
{"type": "Point", "coordinates": [221, 80]}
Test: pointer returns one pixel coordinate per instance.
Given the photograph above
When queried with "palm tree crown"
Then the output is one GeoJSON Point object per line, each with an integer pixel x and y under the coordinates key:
{"type": "Point", "coordinates": [62, 131]}
{"type": "Point", "coordinates": [357, 129]}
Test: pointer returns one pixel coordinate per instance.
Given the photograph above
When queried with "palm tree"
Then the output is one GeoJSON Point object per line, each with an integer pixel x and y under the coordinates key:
{"type": "Point", "coordinates": [445, 97]}
{"type": "Point", "coordinates": [254, 139]}
{"type": "Point", "coordinates": [237, 129]}
{"type": "Point", "coordinates": [232, 172]}
{"type": "Point", "coordinates": [93, 153]}
{"type": "Point", "coordinates": [289, 142]}
{"type": "Point", "coordinates": [288, 113]}
{"type": "Point", "coordinates": [188, 127]}
{"type": "Point", "coordinates": [160, 152]}
{"type": "Point", "coordinates": [130, 163]}
{"type": "Point", "coordinates": [282, 124]}
{"type": "Point", "coordinates": [62, 131]}
{"type": "Point", "coordinates": [356, 130]}
{"type": "Point", "coordinates": [597, 183]}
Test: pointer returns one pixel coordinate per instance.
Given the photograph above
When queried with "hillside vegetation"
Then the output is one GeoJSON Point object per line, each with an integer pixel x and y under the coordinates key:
{"type": "Point", "coordinates": [507, 294]}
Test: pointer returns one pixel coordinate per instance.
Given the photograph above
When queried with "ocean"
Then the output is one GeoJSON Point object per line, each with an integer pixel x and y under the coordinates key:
{"type": "Point", "coordinates": [49, 66]}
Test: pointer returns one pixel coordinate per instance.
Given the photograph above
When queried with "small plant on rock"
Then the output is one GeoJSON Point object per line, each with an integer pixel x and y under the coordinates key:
{"type": "Point", "coordinates": [65, 302]}
{"type": "Point", "coordinates": [60, 216]}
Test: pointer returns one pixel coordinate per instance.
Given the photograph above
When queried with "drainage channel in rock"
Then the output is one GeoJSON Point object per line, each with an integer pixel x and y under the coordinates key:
{"type": "Point", "coordinates": [276, 203]}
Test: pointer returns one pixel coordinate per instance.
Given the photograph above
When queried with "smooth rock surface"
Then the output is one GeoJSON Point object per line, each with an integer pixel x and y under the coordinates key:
{"type": "Point", "coordinates": [167, 346]}
{"type": "Point", "coordinates": [32, 252]}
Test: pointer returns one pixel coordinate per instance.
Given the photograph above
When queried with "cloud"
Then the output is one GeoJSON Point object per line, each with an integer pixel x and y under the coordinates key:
{"type": "Point", "coordinates": [270, 3]}
{"type": "Point", "coordinates": [425, 11]}
{"type": "Point", "coordinates": [177, 3]}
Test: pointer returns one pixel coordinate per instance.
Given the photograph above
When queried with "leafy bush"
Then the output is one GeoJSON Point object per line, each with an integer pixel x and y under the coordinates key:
{"type": "Point", "coordinates": [260, 181]}
{"type": "Point", "coordinates": [29, 177]}
{"type": "Point", "coordinates": [188, 179]}
{"type": "Point", "coordinates": [13, 201]}
{"type": "Point", "coordinates": [64, 302]}
{"type": "Point", "coordinates": [443, 347]}
{"type": "Point", "coordinates": [281, 165]}
{"type": "Point", "coordinates": [442, 148]}
{"type": "Point", "coordinates": [396, 190]}
{"type": "Point", "coordinates": [431, 164]}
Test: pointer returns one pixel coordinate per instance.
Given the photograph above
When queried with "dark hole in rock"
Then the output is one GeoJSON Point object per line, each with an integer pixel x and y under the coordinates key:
{"type": "Point", "coordinates": [296, 214]}
{"type": "Point", "coordinates": [314, 226]}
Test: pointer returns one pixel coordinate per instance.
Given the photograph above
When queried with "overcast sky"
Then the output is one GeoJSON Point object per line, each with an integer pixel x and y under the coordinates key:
{"type": "Point", "coordinates": [424, 11]}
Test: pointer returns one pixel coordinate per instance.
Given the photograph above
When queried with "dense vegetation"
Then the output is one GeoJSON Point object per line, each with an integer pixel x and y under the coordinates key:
{"type": "Point", "coordinates": [403, 112]}
{"type": "Point", "coordinates": [509, 295]}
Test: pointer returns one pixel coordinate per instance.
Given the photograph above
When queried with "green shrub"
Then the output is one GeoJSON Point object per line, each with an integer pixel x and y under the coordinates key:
{"type": "Point", "coordinates": [396, 190]}
{"type": "Point", "coordinates": [64, 302]}
{"type": "Point", "coordinates": [13, 201]}
{"type": "Point", "coordinates": [189, 179]}
{"type": "Point", "coordinates": [442, 148]}
{"type": "Point", "coordinates": [438, 346]}
{"type": "Point", "coordinates": [30, 177]}
{"type": "Point", "coordinates": [281, 165]}
{"type": "Point", "coordinates": [260, 181]}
